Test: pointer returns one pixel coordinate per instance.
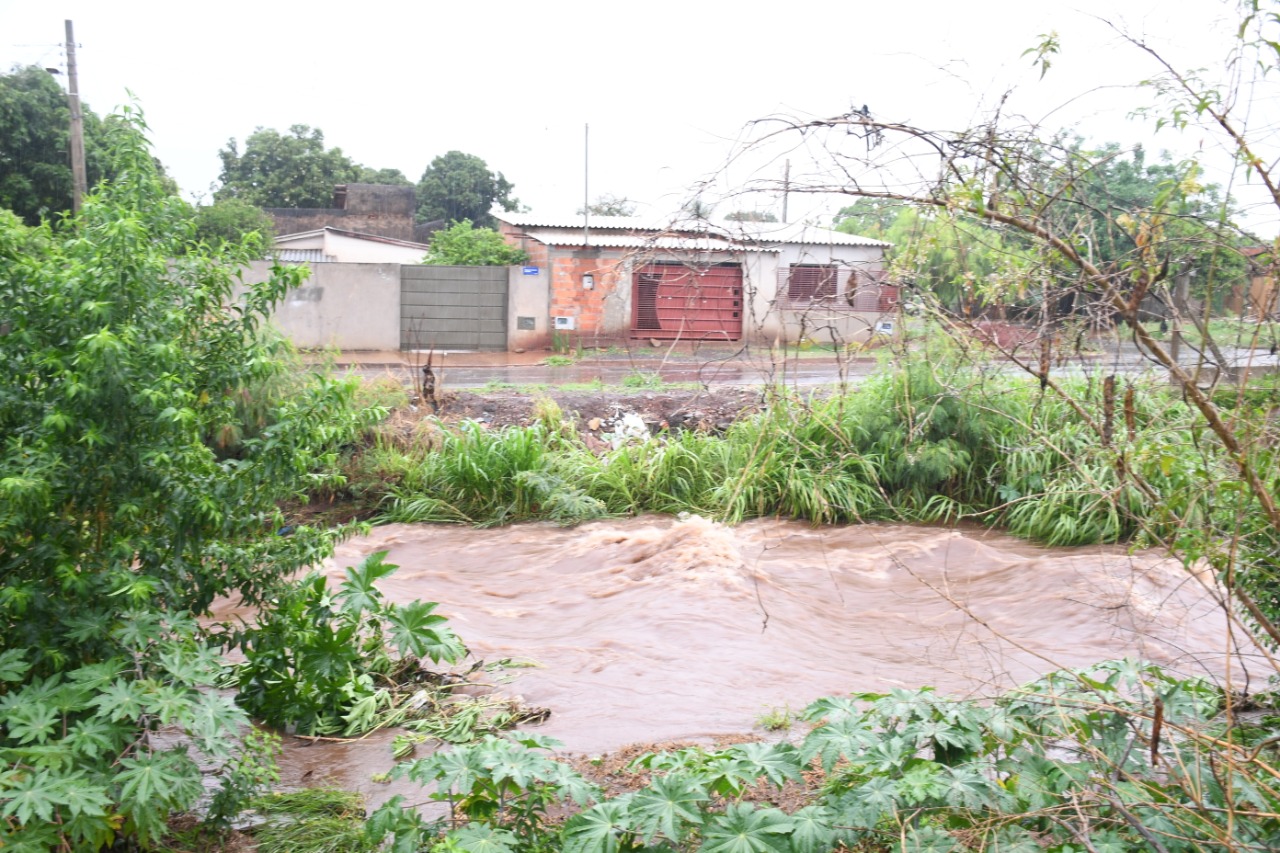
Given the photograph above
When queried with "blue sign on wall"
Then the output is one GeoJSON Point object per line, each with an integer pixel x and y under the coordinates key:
{"type": "Point", "coordinates": [531, 270]}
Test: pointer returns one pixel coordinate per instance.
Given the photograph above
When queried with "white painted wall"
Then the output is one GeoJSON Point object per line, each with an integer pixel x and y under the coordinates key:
{"type": "Point", "coordinates": [354, 250]}
{"type": "Point", "coordinates": [347, 306]}
{"type": "Point", "coordinates": [774, 319]}
{"type": "Point", "coordinates": [528, 296]}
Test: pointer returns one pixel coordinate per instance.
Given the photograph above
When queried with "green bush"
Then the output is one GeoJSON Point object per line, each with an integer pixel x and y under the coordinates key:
{"type": "Point", "coordinates": [129, 349]}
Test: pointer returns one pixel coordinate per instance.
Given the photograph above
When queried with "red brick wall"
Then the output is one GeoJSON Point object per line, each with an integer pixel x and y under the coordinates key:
{"type": "Point", "coordinates": [566, 265]}
{"type": "Point", "coordinates": [570, 298]}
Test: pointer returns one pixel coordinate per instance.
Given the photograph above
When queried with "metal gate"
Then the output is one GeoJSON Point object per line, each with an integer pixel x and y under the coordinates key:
{"type": "Point", "coordinates": [673, 301]}
{"type": "Point", "coordinates": [453, 308]}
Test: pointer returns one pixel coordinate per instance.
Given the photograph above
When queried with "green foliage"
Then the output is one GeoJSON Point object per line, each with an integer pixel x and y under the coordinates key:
{"type": "Point", "coordinates": [1116, 756]}
{"type": "Point", "coordinates": [934, 442]}
{"type": "Point", "coordinates": [458, 186]}
{"type": "Point", "coordinates": [289, 170]}
{"type": "Point", "coordinates": [750, 216]}
{"type": "Point", "coordinates": [126, 351]}
{"type": "Point", "coordinates": [234, 220]}
{"type": "Point", "coordinates": [462, 244]}
{"type": "Point", "coordinates": [250, 774]}
{"type": "Point", "coordinates": [313, 820]}
{"type": "Point", "coordinates": [336, 662]}
{"type": "Point", "coordinates": [482, 477]}
{"type": "Point", "coordinates": [643, 379]}
{"type": "Point", "coordinates": [610, 205]}
{"type": "Point", "coordinates": [35, 169]}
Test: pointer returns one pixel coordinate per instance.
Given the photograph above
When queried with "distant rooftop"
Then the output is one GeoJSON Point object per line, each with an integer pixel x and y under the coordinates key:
{"type": "Point", "coordinates": [607, 228]}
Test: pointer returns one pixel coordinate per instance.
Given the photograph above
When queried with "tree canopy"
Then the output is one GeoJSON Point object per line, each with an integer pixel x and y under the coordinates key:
{"type": "Point", "coordinates": [35, 167]}
{"type": "Point", "coordinates": [458, 186]}
{"type": "Point", "coordinates": [230, 220]}
{"type": "Point", "coordinates": [1102, 195]}
{"type": "Point", "coordinates": [285, 170]}
{"type": "Point", "coordinates": [750, 216]}
{"type": "Point", "coordinates": [145, 445]}
{"type": "Point", "coordinates": [610, 205]}
{"type": "Point", "coordinates": [462, 244]}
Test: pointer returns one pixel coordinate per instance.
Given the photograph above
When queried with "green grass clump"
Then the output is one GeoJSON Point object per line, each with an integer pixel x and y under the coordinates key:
{"type": "Point", "coordinates": [313, 820]}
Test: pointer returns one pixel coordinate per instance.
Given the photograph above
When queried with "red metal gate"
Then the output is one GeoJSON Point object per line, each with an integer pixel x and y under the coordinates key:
{"type": "Point", "coordinates": [672, 301]}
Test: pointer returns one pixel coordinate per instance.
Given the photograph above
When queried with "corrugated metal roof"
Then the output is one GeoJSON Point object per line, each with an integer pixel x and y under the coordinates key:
{"type": "Point", "coordinates": [297, 256]}
{"type": "Point", "coordinates": [615, 240]}
{"type": "Point", "coordinates": [770, 234]}
{"type": "Point", "coordinates": [795, 232]}
{"type": "Point", "coordinates": [603, 223]}
{"type": "Point", "coordinates": [283, 239]}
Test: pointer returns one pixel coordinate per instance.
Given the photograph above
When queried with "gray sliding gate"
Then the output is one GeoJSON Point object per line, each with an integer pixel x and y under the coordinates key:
{"type": "Point", "coordinates": [453, 307]}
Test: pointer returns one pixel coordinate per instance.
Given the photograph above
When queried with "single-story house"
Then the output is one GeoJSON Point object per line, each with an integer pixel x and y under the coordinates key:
{"type": "Point", "coordinates": [337, 245]}
{"type": "Point", "coordinates": [621, 277]}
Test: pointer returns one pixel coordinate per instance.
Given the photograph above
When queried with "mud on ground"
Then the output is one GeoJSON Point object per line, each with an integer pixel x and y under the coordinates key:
{"type": "Point", "coordinates": [598, 413]}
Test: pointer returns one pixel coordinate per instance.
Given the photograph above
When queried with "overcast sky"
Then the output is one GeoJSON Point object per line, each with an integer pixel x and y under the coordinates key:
{"type": "Point", "coordinates": [666, 87]}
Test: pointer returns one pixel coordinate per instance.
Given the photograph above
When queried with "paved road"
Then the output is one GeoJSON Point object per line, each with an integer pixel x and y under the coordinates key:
{"type": "Point", "coordinates": [478, 370]}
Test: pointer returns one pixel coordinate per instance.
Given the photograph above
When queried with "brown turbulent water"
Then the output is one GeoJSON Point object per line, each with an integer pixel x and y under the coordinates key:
{"type": "Point", "coordinates": [659, 628]}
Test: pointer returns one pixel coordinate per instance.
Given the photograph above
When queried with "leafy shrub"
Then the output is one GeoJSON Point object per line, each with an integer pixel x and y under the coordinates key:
{"type": "Point", "coordinates": [327, 663]}
{"type": "Point", "coordinates": [1115, 757]}
{"type": "Point", "coordinates": [127, 348]}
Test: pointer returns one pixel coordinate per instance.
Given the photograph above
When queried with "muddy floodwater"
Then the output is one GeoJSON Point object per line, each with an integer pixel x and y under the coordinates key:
{"type": "Point", "coordinates": [658, 628]}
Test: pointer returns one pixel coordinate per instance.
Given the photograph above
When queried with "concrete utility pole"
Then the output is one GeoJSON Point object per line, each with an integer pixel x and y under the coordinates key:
{"type": "Point", "coordinates": [1181, 289]}
{"type": "Point", "coordinates": [79, 180]}
{"type": "Point", "coordinates": [786, 189]}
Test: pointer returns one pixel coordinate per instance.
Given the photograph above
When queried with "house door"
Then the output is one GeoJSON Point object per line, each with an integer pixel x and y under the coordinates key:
{"type": "Point", "coordinates": [676, 302]}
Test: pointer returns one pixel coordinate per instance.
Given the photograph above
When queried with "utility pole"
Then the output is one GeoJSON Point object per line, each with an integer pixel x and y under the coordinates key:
{"type": "Point", "coordinates": [786, 188]}
{"type": "Point", "coordinates": [1181, 288]}
{"type": "Point", "coordinates": [79, 180]}
{"type": "Point", "coordinates": [586, 185]}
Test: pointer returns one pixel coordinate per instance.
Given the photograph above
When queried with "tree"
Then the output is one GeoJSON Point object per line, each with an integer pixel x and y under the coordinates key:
{"type": "Point", "coordinates": [231, 220]}
{"type": "Point", "coordinates": [610, 205]}
{"type": "Point", "coordinates": [285, 170]}
{"type": "Point", "coordinates": [458, 186]}
{"type": "Point", "coordinates": [462, 244]}
{"type": "Point", "coordinates": [35, 169]}
{"type": "Point", "coordinates": [750, 216]}
{"type": "Point", "coordinates": [390, 177]}
{"type": "Point", "coordinates": [133, 360]}
{"type": "Point", "coordinates": [1056, 200]}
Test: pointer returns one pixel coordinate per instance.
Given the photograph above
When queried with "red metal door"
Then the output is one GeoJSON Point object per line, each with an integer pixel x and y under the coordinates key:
{"type": "Point", "coordinates": [675, 302]}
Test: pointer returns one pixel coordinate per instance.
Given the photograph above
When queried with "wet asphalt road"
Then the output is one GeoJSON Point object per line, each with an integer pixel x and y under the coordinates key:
{"type": "Point", "coordinates": [497, 370]}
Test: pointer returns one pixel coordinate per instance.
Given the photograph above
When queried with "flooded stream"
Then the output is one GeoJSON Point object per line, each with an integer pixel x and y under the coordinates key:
{"type": "Point", "coordinates": [656, 628]}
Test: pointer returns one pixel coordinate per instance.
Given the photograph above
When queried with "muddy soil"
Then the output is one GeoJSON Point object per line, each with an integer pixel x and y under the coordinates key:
{"type": "Point", "coordinates": [597, 413]}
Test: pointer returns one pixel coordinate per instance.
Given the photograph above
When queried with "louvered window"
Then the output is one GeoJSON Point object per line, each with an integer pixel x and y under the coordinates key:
{"type": "Point", "coordinates": [811, 282]}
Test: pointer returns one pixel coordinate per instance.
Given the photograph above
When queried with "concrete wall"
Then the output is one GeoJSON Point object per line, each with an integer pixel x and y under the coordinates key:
{"type": "Point", "coordinates": [773, 318]}
{"type": "Point", "coordinates": [347, 306]}
{"type": "Point", "coordinates": [386, 211]}
{"type": "Point", "coordinates": [356, 251]}
{"type": "Point", "coordinates": [528, 307]}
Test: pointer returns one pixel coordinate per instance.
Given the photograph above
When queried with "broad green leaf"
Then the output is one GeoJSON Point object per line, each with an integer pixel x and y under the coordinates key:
{"type": "Point", "coordinates": [745, 829]}
{"type": "Point", "coordinates": [13, 664]}
{"type": "Point", "coordinates": [358, 593]}
{"type": "Point", "coordinates": [845, 738]}
{"type": "Point", "coordinates": [777, 762]}
{"type": "Point", "coordinates": [480, 838]}
{"type": "Point", "coordinates": [812, 829]}
{"type": "Point", "coordinates": [597, 829]}
{"type": "Point", "coordinates": [33, 723]}
{"type": "Point", "coordinates": [668, 808]}
{"type": "Point", "coordinates": [928, 839]}
{"type": "Point", "coordinates": [30, 796]}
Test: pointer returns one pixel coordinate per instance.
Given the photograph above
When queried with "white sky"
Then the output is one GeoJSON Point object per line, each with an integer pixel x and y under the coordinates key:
{"type": "Point", "coordinates": [666, 87]}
